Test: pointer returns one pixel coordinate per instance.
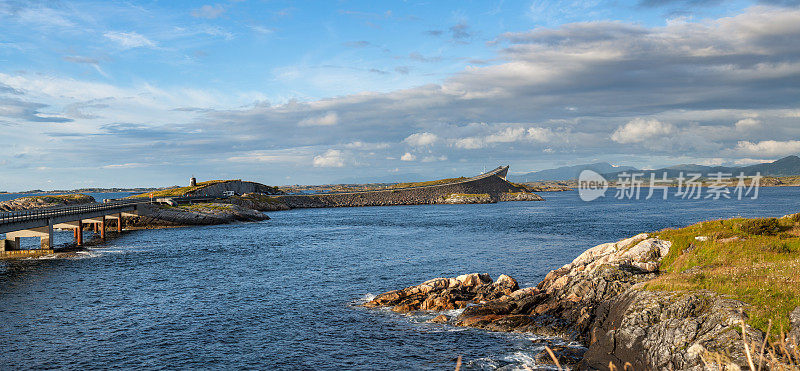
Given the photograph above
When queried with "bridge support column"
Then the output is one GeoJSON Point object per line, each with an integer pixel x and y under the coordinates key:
{"type": "Point", "coordinates": [10, 243]}
{"type": "Point", "coordinates": [79, 234]}
{"type": "Point", "coordinates": [45, 234]}
{"type": "Point", "coordinates": [103, 228]}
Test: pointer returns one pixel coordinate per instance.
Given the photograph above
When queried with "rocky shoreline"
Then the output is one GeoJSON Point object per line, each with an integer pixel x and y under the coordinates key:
{"type": "Point", "coordinates": [600, 299]}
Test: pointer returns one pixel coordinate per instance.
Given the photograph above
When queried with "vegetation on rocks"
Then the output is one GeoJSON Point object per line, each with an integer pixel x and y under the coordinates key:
{"type": "Point", "coordinates": [35, 202]}
{"type": "Point", "coordinates": [428, 183]}
{"type": "Point", "coordinates": [753, 260]}
{"type": "Point", "coordinates": [180, 191]}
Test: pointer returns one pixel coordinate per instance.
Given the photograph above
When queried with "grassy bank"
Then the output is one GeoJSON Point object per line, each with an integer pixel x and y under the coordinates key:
{"type": "Point", "coordinates": [180, 191]}
{"type": "Point", "coordinates": [756, 261]}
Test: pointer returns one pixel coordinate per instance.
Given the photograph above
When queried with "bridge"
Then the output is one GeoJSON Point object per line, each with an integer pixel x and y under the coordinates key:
{"type": "Point", "coordinates": [41, 223]}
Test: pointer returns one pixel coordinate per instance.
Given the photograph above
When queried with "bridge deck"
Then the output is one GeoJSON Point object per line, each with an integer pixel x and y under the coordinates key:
{"type": "Point", "coordinates": [36, 218]}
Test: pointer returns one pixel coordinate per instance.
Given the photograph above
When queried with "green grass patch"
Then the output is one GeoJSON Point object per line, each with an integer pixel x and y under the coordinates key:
{"type": "Point", "coordinates": [429, 183]}
{"type": "Point", "coordinates": [753, 260]}
{"type": "Point", "coordinates": [180, 191]}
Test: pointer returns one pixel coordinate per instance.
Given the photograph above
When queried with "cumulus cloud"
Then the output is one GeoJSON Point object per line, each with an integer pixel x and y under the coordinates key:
{"type": "Point", "coordinates": [421, 139]}
{"type": "Point", "coordinates": [507, 135]}
{"type": "Point", "coordinates": [639, 130]}
{"type": "Point", "coordinates": [747, 124]}
{"type": "Point", "coordinates": [408, 157]}
{"type": "Point", "coordinates": [769, 148]}
{"type": "Point", "coordinates": [580, 83]}
{"type": "Point", "coordinates": [129, 40]}
{"type": "Point", "coordinates": [331, 158]}
{"type": "Point", "coordinates": [328, 119]}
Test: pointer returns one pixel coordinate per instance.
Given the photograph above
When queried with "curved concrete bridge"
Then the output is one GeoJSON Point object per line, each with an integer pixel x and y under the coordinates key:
{"type": "Point", "coordinates": [492, 183]}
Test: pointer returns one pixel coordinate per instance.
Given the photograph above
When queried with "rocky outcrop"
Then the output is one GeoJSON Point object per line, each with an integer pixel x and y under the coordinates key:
{"type": "Point", "coordinates": [458, 198]}
{"type": "Point", "coordinates": [794, 320]}
{"type": "Point", "coordinates": [238, 186]}
{"type": "Point", "coordinates": [38, 202]}
{"type": "Point", "coordinates": [598, 299]}
{"type": "Point", "coordinates": [258, 202]}
{"type": "Point", "coordinates": [446, 293]}
{"type": "Point", "coordinates": [153, 216]}
{"type": "Point", "coordinates": [520, 196]}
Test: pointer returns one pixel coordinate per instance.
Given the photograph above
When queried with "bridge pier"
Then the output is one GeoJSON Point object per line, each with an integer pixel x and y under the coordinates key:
{"type": "Point", "coordinates": [98, 225]}
{"type": "Point", "coordinates": [13, 241]}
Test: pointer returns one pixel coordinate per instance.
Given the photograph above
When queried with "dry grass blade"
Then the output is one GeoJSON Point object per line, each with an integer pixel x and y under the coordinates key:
{"type": "Point", "coordinates": [763, 346]}
{"type": "Point", "coordinates": [747, 347]}
{"type": "Point", "coordinates": [553, 357]}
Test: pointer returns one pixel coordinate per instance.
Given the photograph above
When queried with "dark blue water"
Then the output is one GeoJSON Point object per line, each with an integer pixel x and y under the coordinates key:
{"type": "Point", "coordinates": [279, 294]}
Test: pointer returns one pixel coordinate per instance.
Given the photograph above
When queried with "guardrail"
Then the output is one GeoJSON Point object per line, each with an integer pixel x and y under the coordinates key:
{"type": "Point", "coordinates": [34, 214]}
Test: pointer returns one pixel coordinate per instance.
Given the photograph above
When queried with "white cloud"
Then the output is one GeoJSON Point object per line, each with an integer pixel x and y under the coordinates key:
{"type": "Point", "coordinates": [747, 124]}
{"type": "Point", "coordinates": [208, 11]}
{"type": "Point", "coordinates": [639, 130]}
{"type": "Point", "coordinates": [129, 40]}
{"type": "Point", "coordinates": [768, 148]}
{"type": "Point", "coordinates": [328, 119]}
{"type": "Point", "coordinates": [125, 166]}
{"type": "Point", "coordinates": [408, 157]}
{"type": "Point", "coordinates": [331, 158]}
{"type": "Point", "coordinates": [434, 158]}
{"type": "Point", "coordinates": [366, 146]}
{"type": "Point", "coordinates": [470, 143]}
{"type": "Point", "coordinates": [506, 135]}
{"type": "Point", "coordinates": [421, 139]}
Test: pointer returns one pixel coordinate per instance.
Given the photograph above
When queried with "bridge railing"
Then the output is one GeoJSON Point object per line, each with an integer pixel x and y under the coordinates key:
{"type": "Point", "coordinates": [34, 214]}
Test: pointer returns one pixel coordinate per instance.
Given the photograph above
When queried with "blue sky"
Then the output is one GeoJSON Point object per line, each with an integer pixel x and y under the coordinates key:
{"type": "Point", "coordinates": [134, 93]}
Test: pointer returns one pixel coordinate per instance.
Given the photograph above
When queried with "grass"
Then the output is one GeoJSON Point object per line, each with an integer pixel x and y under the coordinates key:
{"type": "Point", "coordinates": [201, 207]}
{"type": "Point", "coordinates": [260, 198]}
{"type": "Point", "coordinates": [429, 183]}
{"type": "Point", "coordinates": [753, 260]}
{"type": "Point", "coordinates": [468, 195]}
{"type": "Point", "coordinates": [180, 191]}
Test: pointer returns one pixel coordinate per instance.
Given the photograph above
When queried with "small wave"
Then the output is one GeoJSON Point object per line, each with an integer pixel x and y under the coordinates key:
{"type": "Point", "coordinates": [363, 299]}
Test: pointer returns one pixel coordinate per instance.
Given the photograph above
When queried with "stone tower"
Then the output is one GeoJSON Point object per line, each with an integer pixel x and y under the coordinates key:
{"type": "Point", "coordinates": [193, 181]}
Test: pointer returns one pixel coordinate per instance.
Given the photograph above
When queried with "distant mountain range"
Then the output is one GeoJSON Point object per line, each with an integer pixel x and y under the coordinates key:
{"type": "Point", "coordinates": [787, 166]}
{"type": "Point", "coordinates": [568, 172]}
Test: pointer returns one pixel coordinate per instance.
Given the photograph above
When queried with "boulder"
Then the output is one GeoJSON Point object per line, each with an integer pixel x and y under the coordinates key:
{"type": "Point", "coordinates": [600, 300]}
{"type": "Point", "coordinates": [794, 320]}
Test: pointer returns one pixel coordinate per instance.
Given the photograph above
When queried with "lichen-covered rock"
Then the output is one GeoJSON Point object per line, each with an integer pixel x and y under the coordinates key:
{"type": "Point", "coordinates": [600, 300]}
{"type": "Point", "coordinates": [445, 293]}
{"type": "Point", "coordinates": [258, 202]}
{"type": "Point", "coordinates": [520, 196]}
{"type": "Point", "coordinates": [794, 319]}
{"type": "Point", "coordinates": [459, 198]}
{"type": "Point", "coordinates": [198, 214]}
{"type": "Point", "coordinates": [40, 202]}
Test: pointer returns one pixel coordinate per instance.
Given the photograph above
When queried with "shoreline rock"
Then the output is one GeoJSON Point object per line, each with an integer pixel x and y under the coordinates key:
{"type": "Point", "coordinates": [599, 300]}
{"type": "Point", "coordinates": [158, 216]}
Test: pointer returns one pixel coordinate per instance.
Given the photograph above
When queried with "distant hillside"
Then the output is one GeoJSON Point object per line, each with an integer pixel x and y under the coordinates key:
{"type": "Point", "coordinates": [786, 166]}
{"type": "Point", "coordinates": [568, 172]}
